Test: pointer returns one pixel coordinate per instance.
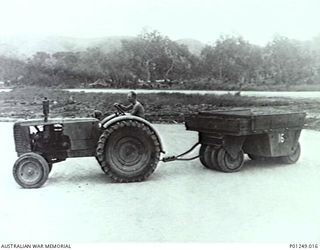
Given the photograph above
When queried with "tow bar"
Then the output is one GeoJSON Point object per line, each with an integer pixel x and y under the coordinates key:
{"type": "Point", "coordinates": [177, 157]}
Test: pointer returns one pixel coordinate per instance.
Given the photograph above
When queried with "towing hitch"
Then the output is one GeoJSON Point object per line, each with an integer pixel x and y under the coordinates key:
{"type": "Point", "coordinates": [178, 157]}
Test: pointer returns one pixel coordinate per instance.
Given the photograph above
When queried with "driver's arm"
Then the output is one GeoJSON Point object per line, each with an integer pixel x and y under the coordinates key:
{"type": "Point", "coordinates": [126, 108]}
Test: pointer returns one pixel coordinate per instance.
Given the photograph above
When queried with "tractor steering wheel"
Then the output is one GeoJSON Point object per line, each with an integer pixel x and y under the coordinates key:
{"type": "Point", "coordinates": [120, 111]}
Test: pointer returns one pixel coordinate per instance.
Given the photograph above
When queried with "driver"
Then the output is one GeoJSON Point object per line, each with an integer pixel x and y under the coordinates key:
{"type": "Point", "coordinates": [135, 106]}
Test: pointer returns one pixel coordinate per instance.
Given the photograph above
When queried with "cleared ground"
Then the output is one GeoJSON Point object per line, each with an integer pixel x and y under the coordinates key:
{"type": "Point", "coordinates": [181, 201]}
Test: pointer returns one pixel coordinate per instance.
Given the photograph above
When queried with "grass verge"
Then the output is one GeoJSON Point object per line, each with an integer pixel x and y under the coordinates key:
{"type": "Point", "coordinates": [161, 107]}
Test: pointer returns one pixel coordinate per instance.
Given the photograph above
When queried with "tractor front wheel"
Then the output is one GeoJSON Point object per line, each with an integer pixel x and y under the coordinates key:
{"type": "Point", "coordinates": [31, 170]}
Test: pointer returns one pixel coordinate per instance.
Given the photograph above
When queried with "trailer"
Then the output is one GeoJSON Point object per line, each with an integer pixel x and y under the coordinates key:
{"type": "Point", "coordinates": [226, 135]}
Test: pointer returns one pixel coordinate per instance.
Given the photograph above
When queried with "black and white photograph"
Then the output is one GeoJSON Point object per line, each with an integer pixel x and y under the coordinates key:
{"type": "Point", "coordinates": [159, 121]}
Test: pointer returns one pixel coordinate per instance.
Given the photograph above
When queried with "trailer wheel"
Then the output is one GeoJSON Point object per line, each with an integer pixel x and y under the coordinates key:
{"type": "Point", "coordinates": [31, 170]}
{"type": "Point", "coordinates": [128, 151]}
{"type": "Point", "coordinates": [211, 158]}
{"type": "Point", "coordinates": [208, 157]}
{"type": "Point", "coordinates": [292, 158]}
{"type": "Point", "coordinates": [202, 155]}
{"type": "Point", "coordinates": [227, 163]}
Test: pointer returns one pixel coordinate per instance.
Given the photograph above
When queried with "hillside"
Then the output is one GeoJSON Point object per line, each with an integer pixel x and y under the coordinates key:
{"type": "Point", "coordinates": [26, 46]}
{"type": "Point", "coordinates": [193, 45]}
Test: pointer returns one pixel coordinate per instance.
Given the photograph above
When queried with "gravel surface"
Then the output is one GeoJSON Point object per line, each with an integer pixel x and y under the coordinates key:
{"type": "Point", "coordinates": [180, 202]}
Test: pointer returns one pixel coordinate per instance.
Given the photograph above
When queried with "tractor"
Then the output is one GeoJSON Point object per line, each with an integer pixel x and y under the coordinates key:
{"type": "Point", "coordinates": [127, 147]}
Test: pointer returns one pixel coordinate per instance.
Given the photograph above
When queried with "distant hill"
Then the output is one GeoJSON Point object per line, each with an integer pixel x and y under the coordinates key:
{"type": "Point", "coordinates": [193, 45]}
{"type": "Point", "coordinates": [26, 46]}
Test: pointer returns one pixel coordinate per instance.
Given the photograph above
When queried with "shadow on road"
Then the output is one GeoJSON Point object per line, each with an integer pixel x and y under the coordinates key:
{"type": "Point", "coordinates": [266, 163]}
{"type": "Point", "coordinates": [96, 178]}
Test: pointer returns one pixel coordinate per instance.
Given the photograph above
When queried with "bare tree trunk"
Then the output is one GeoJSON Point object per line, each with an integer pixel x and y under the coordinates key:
{"type": "Point", "coordinates": [169, 70]}
{"type": "Point", "coordinates": [54, 80]}
{"type": "Point", "coordinates": [148, 70]}
{"type": "Point", "coordinates": [220, 73]}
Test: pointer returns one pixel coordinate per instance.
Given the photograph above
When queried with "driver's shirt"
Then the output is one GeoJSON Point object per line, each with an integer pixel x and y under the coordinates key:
{"type": "Point", "coordinates": [137, 109]}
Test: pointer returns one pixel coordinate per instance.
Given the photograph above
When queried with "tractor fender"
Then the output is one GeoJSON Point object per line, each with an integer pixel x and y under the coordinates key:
{"type": "Point", "coordinates": [110, 120]}
{"type": "Point", "coordinates": [107, 119]}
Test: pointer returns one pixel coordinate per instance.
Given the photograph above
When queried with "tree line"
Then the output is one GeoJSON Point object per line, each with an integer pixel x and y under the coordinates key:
{"type": "Point", "coordinates": [154, 60]}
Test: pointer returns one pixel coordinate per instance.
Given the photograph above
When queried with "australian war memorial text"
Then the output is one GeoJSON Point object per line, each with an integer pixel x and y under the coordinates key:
{"type": "Point", "coordinates": [34, 246]}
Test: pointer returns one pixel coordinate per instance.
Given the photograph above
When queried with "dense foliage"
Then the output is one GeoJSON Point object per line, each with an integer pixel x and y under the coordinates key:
{"type": "Point", "coordinates": [154, 60]}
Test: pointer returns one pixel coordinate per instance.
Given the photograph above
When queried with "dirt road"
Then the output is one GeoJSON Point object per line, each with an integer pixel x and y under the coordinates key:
{"type": "Point", "coordinates": [180, 202]}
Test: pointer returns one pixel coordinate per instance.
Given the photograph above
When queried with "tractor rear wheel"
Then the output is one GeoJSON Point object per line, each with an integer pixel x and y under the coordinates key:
{"type": "Point", "coordinates": [31, 170]}
{"type": "Point", "coordinates": [128, 151]}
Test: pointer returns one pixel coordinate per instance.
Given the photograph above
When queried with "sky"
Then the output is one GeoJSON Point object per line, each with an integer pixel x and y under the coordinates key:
{"type": "Point", "coordinates": [205, 20]}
